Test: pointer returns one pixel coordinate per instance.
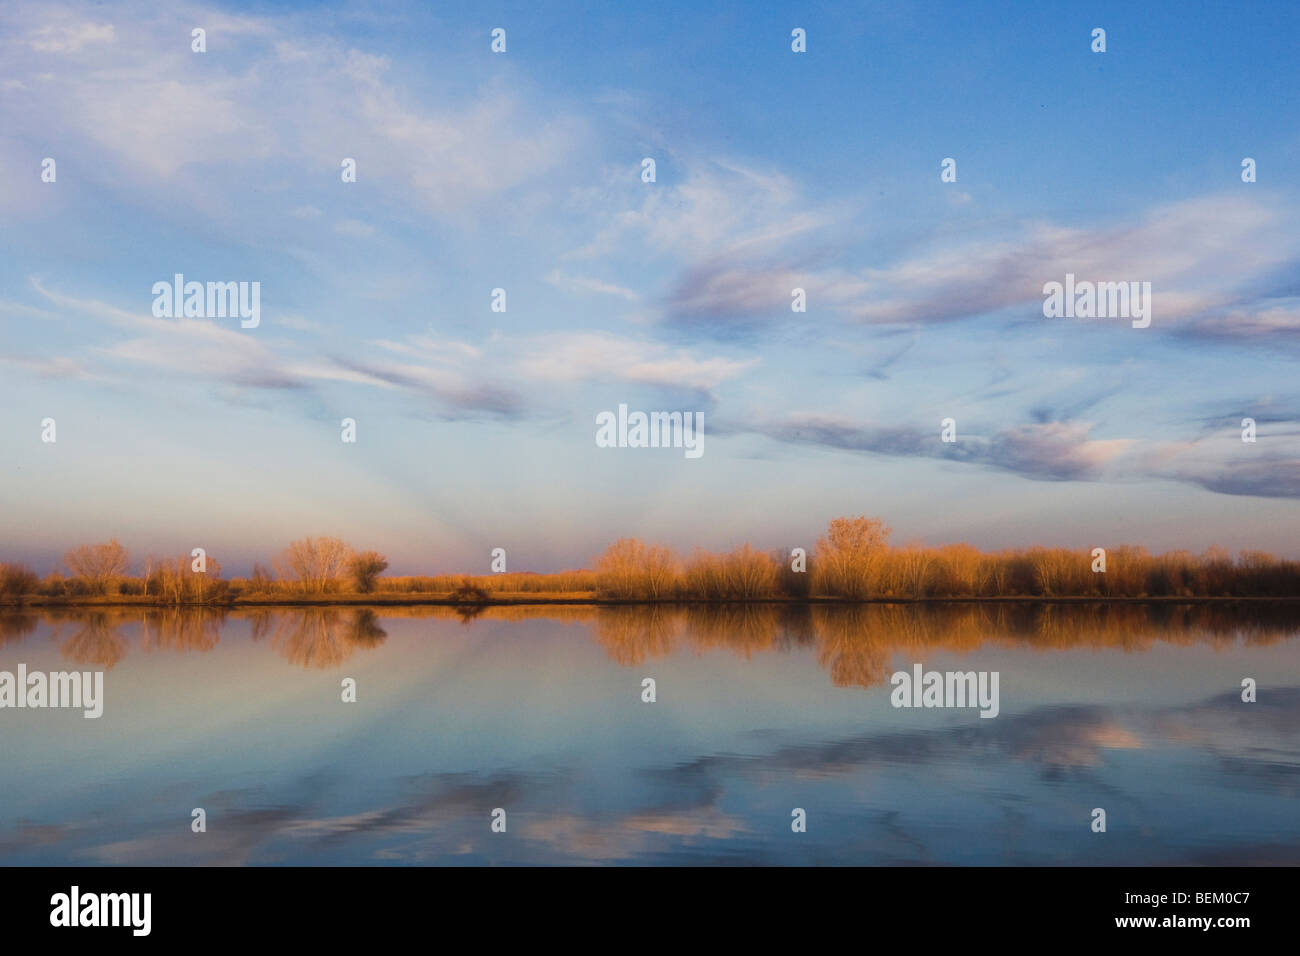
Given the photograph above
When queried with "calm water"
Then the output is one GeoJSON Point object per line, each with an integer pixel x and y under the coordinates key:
{"type": "Point", "coordinates": [759, 711]}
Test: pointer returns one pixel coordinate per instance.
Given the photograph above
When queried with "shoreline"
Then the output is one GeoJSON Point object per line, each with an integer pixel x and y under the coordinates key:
{"type": "Point", "coordinates": [525, 599]}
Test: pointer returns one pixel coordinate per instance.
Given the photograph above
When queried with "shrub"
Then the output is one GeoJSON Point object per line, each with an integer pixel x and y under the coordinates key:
{"type": "Point", "coordinates": [365, 569]}
{"type": "Point", "coordinates": [467, 592]}
{"type": "Point", "coordinates": [17, 581]}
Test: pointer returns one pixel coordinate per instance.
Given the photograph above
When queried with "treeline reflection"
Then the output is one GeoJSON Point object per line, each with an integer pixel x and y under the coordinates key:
{"type": "Point", "coordinates": [855, 644]}
{"type": "Point", "coordinates": [314, 637]}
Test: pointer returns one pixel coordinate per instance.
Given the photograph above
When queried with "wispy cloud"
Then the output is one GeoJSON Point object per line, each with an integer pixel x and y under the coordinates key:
{"type": "Point", "coordinates": [459, 376]}
{"type": "Point", "coordinates": [583, 285]}
{"type": "Point", "coordinates": [1213, 263]}
{"type": "Point", "coordinates": [285, 92]}
{"type": "Point", "coordinates": [1200, 255]}
{"type": "Point", "coordinates": [1065, 451]}
{"type": "Point", "coordinates": [69, 36]}
{"type": "Point", "coordinates": [1223, 463]}
{"type": "Point", "coordinates": [1051, 451]}
{"type": "Point", "coordinates": [599, 356]}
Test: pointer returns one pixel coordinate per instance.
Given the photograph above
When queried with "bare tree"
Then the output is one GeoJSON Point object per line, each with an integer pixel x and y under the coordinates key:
{"type": "Point", "coordinates": [750, 574]}
{"type": "Point", "coordinates": [318, 564]}
{"type": "Point", "coordinates": [99, 565]}
{"type": "Point", "coordinates": [179, 583]}
{"type": "Point", "coordinates": [17, 581]}
{"type": "Point", "coordinates": [629, 569]}
{"type": "Point", "coordinates": [147, 572]}
{"type": "Point", "coordinates": [849, 553]}
{"type": "Point", "coordinates": [261, 579]}
{"type": "Point", "coordinates": [914, 561]}
{"type": "Point", "coordinates": [617, 568]}
{"type": "Point", "coordinates": [659, 569]}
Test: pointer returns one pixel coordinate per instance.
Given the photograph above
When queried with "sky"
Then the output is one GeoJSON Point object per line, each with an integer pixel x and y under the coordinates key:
{"type": "Point", "coordinates": [523, 170]}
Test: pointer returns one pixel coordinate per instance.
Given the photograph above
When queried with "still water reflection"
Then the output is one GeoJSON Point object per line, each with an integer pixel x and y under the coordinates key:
{"type": "Point", "coordinates": [759, 710]}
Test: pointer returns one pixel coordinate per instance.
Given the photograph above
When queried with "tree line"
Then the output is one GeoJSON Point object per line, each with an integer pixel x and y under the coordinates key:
{"type": "Point", "coordinates": [310, 566]}
{"type": "Point", "coordinates": [853, 561]}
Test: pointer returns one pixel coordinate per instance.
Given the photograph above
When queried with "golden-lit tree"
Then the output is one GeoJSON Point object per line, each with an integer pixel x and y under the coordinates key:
{"type": "Point", "coordinates": [631, 570]}
{"type": "Point", "coordinates": [848, 556]}
{"type": "Point", "coordinates": [98, 565]}
{"type": "Point", "coordinates": [17, 581]}
{"type": "Point", "coordinates": [365, 569]}
{"type": "Point", "coordinates": [176, 581]}
{"type": "Point", "coordinates": [317, 564]}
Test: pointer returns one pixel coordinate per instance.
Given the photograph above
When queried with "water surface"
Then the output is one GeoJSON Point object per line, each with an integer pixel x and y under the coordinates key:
{"type": "Point", "coordinates": [760, 710]}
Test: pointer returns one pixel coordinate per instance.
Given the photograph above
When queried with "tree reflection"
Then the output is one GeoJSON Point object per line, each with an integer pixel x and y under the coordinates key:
{"type": "Point", "coordinates": [97, 642]}
{"type": "Point", "coordinates": [181, 628]}
{"type": "Point", "coordinates": [325, 637]}
{"type": "Point", "coordinates": [858, 644]}
{"type": "Point", "coordinates": [15, 624]}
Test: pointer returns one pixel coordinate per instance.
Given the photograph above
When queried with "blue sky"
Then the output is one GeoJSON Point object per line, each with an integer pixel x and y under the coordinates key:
{"type": "Point", "coordinates": [522, 171]}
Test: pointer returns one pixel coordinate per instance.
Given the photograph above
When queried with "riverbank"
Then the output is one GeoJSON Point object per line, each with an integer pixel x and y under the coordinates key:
{"type": "Point", "coordinates": [508, 599]}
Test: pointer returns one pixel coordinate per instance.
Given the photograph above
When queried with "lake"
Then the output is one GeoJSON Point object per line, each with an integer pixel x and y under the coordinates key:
{"type": "Point", "coordinates": [759, 712]}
